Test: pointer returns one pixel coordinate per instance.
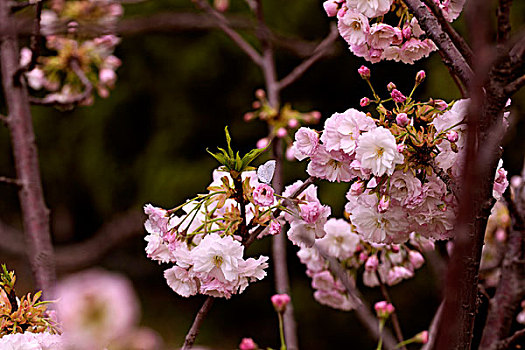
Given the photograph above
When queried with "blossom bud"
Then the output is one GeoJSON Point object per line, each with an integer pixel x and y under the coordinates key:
{"type": "Point", "coordinates": [363, 256]}
{"type": "Point", "coordinates": [383, 204]}
{"type": "Point", "coordinates": [25, 56]}
{"type": "Point", "coordinates": [407, 32]}
{"type": "Point", "coordinates": [384, 309]}
{"type": "Point", "coordinates": [248, 116]}
{"type": "Point", "coordinates": [500, 234]}
{"type": "Point", "coordinates": [452, 136]}
{"type": "Point", "coordinates": [280, 301]}
{"type": "Point", "coordinates": [397, 274]}
{"type": "Point", "coordinates": [391, 86]}
{"type": "Point", "coordinates": [357, 188]}
{"type": "Point", "coordinates": [331, 7]}
{"type": "Point", "coordinates": [281, 132]}
{"type": "Point", "coordinates": [515, 181]}
{"type": "Point", "coordinates": [397, 96]}
{"type": "Point", "coordinates": [440, 104]}
{"type": "Point", "coordinates": [247, 344]}
{"type": "Point", "coordinates": [293, 123]}
{"type": "Point", "coordinates": [416, 259]}
{"type": "Point", "coordinates": [421, 337]}
{"type": "Point", "coordinates": [260, 94]}
{"type": "Point", "coordinates": [342, 11]}
{"type": "Point", "coordinates": [256, 104]}
{"type": "Point", "coordinates": [221, 5]}
{"type": "Point", "coordinates": [290, 154]}
{"type": "Point", "coordinates": [316, 115]}
{"type": "Point", "coordinates": [402, 119]}
{"type": "Point", "coordinates": [107, 76]}
{"type": "Point", "coordinates": [372, 263]}
{"type": "Point", "coordinates": [365, 101]}
{"type": "Point", "coordinates": [262, 143]}
{"type": "Point", "coordinates": [364, 72]}
{"type": "Point", "coordinates": [394, 248]}
{"type": "Point", "coordinates": [420, 76]}
{"type": "Point", "coordinates": [401, 147]}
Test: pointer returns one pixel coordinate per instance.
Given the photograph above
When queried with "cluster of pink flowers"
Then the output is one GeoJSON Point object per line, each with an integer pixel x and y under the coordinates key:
{"type": "Point", "coordinates": [32, 341]}
{"type": "Point", "coordinates": [203, 244]}
{"type": "Point", "coordinates": [361, 24]}
{"type": "Point", "coordinates": [92, 54]}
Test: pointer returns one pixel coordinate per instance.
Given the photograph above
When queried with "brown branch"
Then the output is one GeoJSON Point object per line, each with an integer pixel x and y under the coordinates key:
{"type": "Point", "coordinates": [393, 317]}
{"type": "Point", "coordinates": [8, 180]}
{"type": "Point", "coordinates": [503, 13]}
{"type": "Point", "coordinates": [431, 26]}
{"type": "Point", "coordinates": [513, 339]}
{"type": "Point", "coordinates": [432, 329]}
{"type": "Point", "coordinates": [195, 327]}
{"type": "Point", "coordinates": [34, 211]}
{"type": "Point", "coordinates": [511, 286]}
{"type": "Point", "coordinates": [514, 86]}
{"type": "Point", "coordinates": [226, 27]}
{"type": "Point", "coordinates": [52, 100]}
{"type": "Point", "coordinates": [457, 39]}
{"type": "Point", "coordinates": [320, 51]}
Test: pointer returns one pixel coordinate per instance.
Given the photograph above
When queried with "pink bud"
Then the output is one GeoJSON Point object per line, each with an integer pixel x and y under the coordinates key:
{"type": "Point", "coordinates": [293, 123]}
{"type": "Point", "coordinates": [407, 32]}
{"type": "Point", "coordinates": [383, 204]}
{"type": "Point", "coordinates": [280, 301]}
{"type": "Point", "coordinates": [515, 181]}
{"type": "Point", "coordinates": [364, 72]}
{"type": "Point", "coordinates": [256, 104]}
{"type": "Point", "coordinates": [397, 96]}
{"type": "Point", "coordinates": [248, 116]}
{"type": "Point", "coordinates": [402, 119]}
{"type": "Point", "coordinates": [365, 101]}
{"type": "Point", "coordinates": [440, 104]}
{"type": "Point", "coordinates": [420, 76]}
{"type": "Point", "coordinates": [421, 337]}
{"type": "Point", "coordinates": [247, 344]}
{"type": "Point", "coordinates": [452, 136]}
{"type": "Point", "coordinates": [384, 309]}
{"type": "Point", "coordinates": [363, 256]}
{"type": "Point", "coordinates": [394, 248]}
{"type": "Point", "coordinates": [331, 8]}
{"type": "Point", "coordinates": [316, 115]}
{"type": "Point", "coordinates": [401, 147]}
{"type": "Point", "coordinates": [416, 259]}
{"type": "Point", "coordinates": [262, 143]}
{"type": "Point", "coordinates": [290, 154]}
{"type": "Point", "coordinates": [501, 234]}
{"type": "Point", "coordinates": [357, 188]}
{"type": "Point", "coordinates": [260, 94]}
{"type": "Point", "coordinates": [372, 263]}
{"type": "Point", "coordinates": [221, 5]}
{"type": "Point", "coordinates": [281, 132]}
{"type": "Point", "coordinates": [391, 86]}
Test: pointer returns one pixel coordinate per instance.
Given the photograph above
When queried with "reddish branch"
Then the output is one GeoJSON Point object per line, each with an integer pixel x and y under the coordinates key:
{"type": "Point", "coordinates": [195, 327]}
{"type": "Point", "coordinates": [430, 24]}
{"type": "Point", "coordinates": [34, 211]}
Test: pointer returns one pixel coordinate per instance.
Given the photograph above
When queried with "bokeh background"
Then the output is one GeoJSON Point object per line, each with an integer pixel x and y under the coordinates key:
{"type": "Point", "coordinates": [146, 143]}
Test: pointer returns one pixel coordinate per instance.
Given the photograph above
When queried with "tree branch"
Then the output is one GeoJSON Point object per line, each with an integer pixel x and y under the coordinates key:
{"type": "Point", "coordinates": [503, 13]}
{"type": "Point", "coordinates": [320, 51]}
{"type": "Point", "coordinates": [513, 339]}
{"type": "Point", "coordinates": [195, 327]}
{"type": "Point", "coordinates": [224, 24]}
{"type": "Point", "coordinates": [432, 27]}
{"type": "Point", "coordinates": [8, 180]}
{"type": "Point", "coordinates": [34, 211]}
{"type": "Point", "coordinates": [393, 317]}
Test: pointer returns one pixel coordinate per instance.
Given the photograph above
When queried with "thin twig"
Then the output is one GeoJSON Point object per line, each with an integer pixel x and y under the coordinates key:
{"type": "Point", "coordinates": [503, 13]}
{"type": "Point", "coordinates": [517, 84]}
{"type": "Point", "coordinates": [395, 320]}
{"type": "Point", "coordinates": [8, 180]}
{"type": "Point", "coordinates": [513, 339]}
{"type": "Point", "coordinates": [320, 51]}
{"type": "Point", "coordinates": [457, 39]}
{"type": "Point", "coordinates": [53, 100]}
{"type": "Point", "coordinates": [195, 327]}
{"type": "Point", "coordinates": [224, 24]}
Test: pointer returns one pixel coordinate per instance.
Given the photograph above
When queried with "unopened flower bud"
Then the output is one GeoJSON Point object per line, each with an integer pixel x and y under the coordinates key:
{"type": "Point", "coordinates": [401, 147]}
{"type": "Point", "coordinates": [407, 32]}
{"type": "Point", "coordinates": [500, 234]}
{"type": "Point", "coordinates": [416, 259]}
{"type": "Point", "coordinates": [364, 72]}
{"type": "Point", "coordinates": [452, 136]}
{"type": "Point", "coordinates": [372, 263]}
{"type": "Point", "coordinates": [363, 256]}
{"type": "Point", "coordinates": [421, 337]}
{"type": "Point", "coordinates": [262, 143]}
{"type": "Point", "coordinates": [256, 104]}
{"type": "Point", "coordinates": [357, 188]}
{"type": "Point", "coordinates": [420, 76]}
{"type": "Point", "coordinates": [331, 7]}
{"type": "Point", "coordinates": [280, 301]}
{"type": "Point", "coordinates": [365, 101]}
{"type": "Point", "coordinates": [391, 86]}
{"type": "Point", "coordinates": [397, 96]}
{"type": "Point", "coordinates": [221, 5]}
{"type": "Point", "coordinates": [248, 116]}
{"type": "Point", "coordinates": [281, 132]}
{"type": "Point", "coordinates": [440, 104]}
{"type": "Point", "coordinates": [293, 123]}
{"type": "Point", "coordinates": [384, 309]}
{"type": "Point", "coordinates": [247, 344]}
{"type": "Point", "coordinates": [260, 94]}
{"type": "Point", "coordinates": [290, 154]}
{"type": "Point", "coordinates": [383, 204]}
{"type": "Point", "coordinates": [316, 115]}
{"type": "Point", "coordinates": [515, 181]}
{"type": "Point", "coordinates": [402, 119]}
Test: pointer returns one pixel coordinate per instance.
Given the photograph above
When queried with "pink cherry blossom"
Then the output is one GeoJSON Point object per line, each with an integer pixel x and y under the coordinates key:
{"type": "Point", "coordinates": [263, 195]}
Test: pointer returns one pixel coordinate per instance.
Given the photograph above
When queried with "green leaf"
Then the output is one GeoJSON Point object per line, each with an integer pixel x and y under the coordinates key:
{"type": "Point", "coordinates": [228, 141]}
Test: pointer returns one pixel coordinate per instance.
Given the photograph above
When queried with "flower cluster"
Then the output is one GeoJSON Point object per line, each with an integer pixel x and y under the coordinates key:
{"type": "Point", "coordinates": [32, 341]}
{"type": "Point", "coordinates": [283, 122]}
{"type": "Point", "coordinates": [204, 244]}
{"type": "Point", "coordinates": [80, 56]}
{"type": "Point", "coordinates": [362, 24]}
